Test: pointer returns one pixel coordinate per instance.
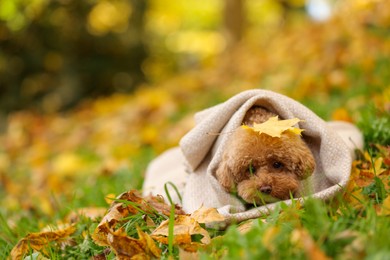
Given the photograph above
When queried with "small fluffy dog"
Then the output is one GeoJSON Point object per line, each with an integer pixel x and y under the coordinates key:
{"type": "Point", "coordinates": [263, 169]}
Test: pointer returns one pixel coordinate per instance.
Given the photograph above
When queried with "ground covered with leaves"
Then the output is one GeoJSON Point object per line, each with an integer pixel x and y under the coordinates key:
{"type": "Point", "coordinates": [62, 175]}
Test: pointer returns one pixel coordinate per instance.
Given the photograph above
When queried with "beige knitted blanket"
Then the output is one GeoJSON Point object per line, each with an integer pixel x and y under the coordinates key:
{"type": "Point", "coordinates": [191, 166]}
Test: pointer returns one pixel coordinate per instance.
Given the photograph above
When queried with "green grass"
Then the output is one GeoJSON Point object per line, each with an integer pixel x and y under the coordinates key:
{"type": "Point", "coordinates": [341, 233]}
{"type": "Point", "coordinates": [90, 192]}
{"type": "Point", "coordinates": [337, 229]}
{"type": "Point", "coordinates": [378, 128]}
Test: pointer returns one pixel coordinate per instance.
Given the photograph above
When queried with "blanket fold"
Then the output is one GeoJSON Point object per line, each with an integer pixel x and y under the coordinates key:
{"type": "Point", "coordinates": [191, 167]}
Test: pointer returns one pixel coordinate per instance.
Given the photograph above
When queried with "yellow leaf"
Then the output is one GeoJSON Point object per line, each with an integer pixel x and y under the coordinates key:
{"type": "Point", "coordinates": [341, 114]}
{"type": "Point", "coordinates": [207, 215]}
{"type": "Point", "coordinates": [378, 166]}
{"type": "Point", "coordinates": [274, 127]}
{"type": "Point", "coordinates": [385, 211]}
{"type": "Point", "coordinates": [246, 226]}
{"type": "Point", "coordinates": [184, 226]}
{"type": "Point", "coordinates": [109, 198]}
{"type": "Point", "coordinates": [37, 241]}
{"type": "Point", "coordinates": [150, 246]}
{"type": "Point", "coordinates": [188, 255]}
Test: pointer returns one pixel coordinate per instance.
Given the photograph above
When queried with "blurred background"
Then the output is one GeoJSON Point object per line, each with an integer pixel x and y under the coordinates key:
{"type": "Point", "coordinates": [91, 91]}
{"type": "Point", "coordinates": [54, 53]}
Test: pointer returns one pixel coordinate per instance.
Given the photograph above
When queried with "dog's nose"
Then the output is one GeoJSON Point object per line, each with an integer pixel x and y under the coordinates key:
{"type": "Point", "coordinates": [266, 189]}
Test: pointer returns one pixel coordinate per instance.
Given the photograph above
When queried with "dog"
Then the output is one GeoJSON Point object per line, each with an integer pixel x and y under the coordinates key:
{"type": "Point", "coordinates": [261, 169]}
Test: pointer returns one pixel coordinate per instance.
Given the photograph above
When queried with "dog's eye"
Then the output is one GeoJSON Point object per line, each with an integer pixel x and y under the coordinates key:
{"type": "Point", "coordinates": [277, 165]}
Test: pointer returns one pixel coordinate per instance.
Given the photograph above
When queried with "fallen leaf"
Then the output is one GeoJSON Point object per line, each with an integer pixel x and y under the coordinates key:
{"type": "Point", "coordinates": [385, 209]}
{"type": "Point", "coordinates": [184, 228]}
{"type": "Point", "coordinates": [109, 198]}
{"type": "Point", "coordinates": [274, 127]}
{"type": "Point", "coordinates": [158, 203]}
{"type": "Point", "coordinates": [151, 248]}
{"type": "Point", "coordinates": [364, 178]}
{"type": "Point", "coordinates": [244, 227]}
{"type": "Point", "coordinates": [207, 215]}
{"type": "Point", "coordinates": [188, 255]}
{"type": "Point", "coordinates": [125, 246]}
{"type": "Point", "coordinates": [378, 170]}
{"type": "Point", "coordinates": [115, 214]}
{"type": "Point", "coordinates": [179, 239]}
{"type": "Point", "coordinates": [38, 241]}
{"type": "Point", "coordinates": [100, 234]}
{"type": "Point", "coordinates": [129, 203]}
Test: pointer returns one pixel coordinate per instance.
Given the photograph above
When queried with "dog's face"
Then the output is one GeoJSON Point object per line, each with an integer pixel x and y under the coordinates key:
{"type": "Point", "coordinates": [263, 169]}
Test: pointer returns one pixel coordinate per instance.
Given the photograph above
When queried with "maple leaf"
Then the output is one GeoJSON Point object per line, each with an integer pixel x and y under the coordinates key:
{"type": "Point", "coordinates": [275, 127]}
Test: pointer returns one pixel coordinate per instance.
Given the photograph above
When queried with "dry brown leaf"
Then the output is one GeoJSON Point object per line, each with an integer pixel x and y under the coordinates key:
{"type": "Point", "coordinates": [179, 239]}
{"type": "Point", "coordinates": [150, 245]}
{"type": "Point", "coordinates": [188, 255]}
{"type": "Point", "coordinates": [120, 210]}
{"type": "Point", "coordinates": [113, 216]}
{"type": "Point", "coordinates": [116, 213]}
{"type": "Point", "coordinates": [37, 241]}
{"type": "Point", "coordinates": [207, 215]}
{"type": "Point", "coordinates": [275, 127]}
{"type": "Point", "coordinates": [99, 236]}
{"type": "Point", "coordinates": [158, 203]}
{"type": "Point", "coordinates": [184, 226]}
{"type": "Point", "coordinates": [125, 246]}
{"type": "Point", "coordinates": [192, 247]}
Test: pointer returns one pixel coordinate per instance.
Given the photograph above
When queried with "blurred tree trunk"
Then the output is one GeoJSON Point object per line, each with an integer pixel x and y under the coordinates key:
{"type": "Point", "coordinates": [286, 7]}
{"type": "Point", "coordinates": [234, 20]}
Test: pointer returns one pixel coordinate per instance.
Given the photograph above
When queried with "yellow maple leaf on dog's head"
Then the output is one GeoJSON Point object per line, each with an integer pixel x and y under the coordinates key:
{"type": "Point", "coordinates": [275, 127]}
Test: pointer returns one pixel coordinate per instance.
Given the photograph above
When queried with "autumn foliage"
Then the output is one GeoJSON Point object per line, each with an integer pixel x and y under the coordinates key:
{"type": "Point", "coordinates": [63, 168]}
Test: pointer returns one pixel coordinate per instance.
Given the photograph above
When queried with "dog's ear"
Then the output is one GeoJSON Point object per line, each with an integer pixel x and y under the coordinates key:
{"type": "Point", "coordinates": [224, 175]}
{"type": "Point", "coordinates": [306, 167]}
